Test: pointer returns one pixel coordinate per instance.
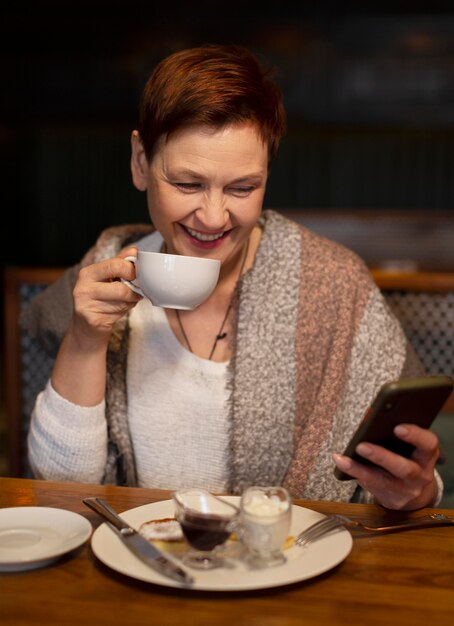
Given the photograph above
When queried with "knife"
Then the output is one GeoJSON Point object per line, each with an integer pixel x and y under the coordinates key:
{"type": "Point", "coordinates": [142, 548]}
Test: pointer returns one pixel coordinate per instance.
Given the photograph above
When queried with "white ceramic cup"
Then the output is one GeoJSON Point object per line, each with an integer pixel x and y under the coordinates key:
{"type": "Point", "coordinates": [265, 518]}
{"type": "Point", "coordinates": [173, 281]}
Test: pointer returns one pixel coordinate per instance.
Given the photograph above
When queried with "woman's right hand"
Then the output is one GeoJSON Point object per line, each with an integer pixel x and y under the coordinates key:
{"type": "Point", "coordinates": [101, 298]}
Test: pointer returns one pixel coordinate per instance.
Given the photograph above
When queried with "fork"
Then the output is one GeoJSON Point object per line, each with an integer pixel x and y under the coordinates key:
{"type": "Point", "coordinates": [336, 522]}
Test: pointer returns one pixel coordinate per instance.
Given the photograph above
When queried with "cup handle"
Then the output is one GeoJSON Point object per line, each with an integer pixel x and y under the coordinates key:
{"type": "Point", "coordinates": [131, 284]}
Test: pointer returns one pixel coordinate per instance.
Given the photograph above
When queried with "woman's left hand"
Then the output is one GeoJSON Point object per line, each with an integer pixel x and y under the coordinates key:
{"type": "Point", "coordinates": [398, 482]}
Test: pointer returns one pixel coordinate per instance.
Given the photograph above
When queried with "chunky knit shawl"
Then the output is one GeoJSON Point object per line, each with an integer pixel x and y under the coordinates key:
{"type": "Point", "coordinates": [314, 342]}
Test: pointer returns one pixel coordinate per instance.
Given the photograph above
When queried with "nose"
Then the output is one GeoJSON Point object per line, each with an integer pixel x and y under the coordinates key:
{"type": "Point", "coordinates": [213, 213]}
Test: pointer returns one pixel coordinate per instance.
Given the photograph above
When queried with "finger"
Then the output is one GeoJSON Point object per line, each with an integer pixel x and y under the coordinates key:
{"type": "Point", "coordinates": [115, 292]}
{"type": "Point", "coordinates": [427, 447]}
{"type": "Point", "coordinates": [425, 453]}
{"type": "Point", "coordinates": [425, 440]}
{"type": "Point", "coordinates": [388, 490]}
{"type": "Point", "coordinates": [369, 477]}
{"type": "Point", "coordinates": [108, 270]}
{"type": "Point", "coordinates": [395, 464]}
{"type": "Point", "coordinates": [102, 297]}
{"type": "Point", "coordinates": [408, 485]}
{"type": "Point", "coordinates": [344, 463]}
{"type": "Point", "coordinates": [103, 312]}
{"type": "Point", "coordinates": [388, 463]}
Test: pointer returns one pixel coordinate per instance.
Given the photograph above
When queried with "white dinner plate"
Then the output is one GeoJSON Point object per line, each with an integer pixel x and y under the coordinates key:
{"type": "Point", "coordinates": [301, 563]}
{"type": "Point", "coordinates": [34, 536]}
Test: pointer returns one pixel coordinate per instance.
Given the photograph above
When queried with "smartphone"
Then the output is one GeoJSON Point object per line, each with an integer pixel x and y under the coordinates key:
{"type": "Point", "coordinates": [410, 401]}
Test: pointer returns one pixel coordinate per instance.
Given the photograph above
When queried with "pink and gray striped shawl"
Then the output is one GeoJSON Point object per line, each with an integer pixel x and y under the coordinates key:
{"type": "Point", "coordinates": [314, 342]}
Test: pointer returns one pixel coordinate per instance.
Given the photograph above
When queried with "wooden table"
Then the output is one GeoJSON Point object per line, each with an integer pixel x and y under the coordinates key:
{"type": "Point", "coordinates": [403, 578]}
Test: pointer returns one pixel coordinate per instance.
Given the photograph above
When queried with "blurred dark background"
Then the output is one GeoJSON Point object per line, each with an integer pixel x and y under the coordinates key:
{"type": "Point", "coordinates": [369, 92]}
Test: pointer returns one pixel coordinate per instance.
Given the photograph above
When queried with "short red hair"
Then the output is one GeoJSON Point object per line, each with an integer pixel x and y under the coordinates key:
{"type": "Point", "coordinates": [213, 85]}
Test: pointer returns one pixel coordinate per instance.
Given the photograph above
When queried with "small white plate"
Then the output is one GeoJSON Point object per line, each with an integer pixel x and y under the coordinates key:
{"type": "Point", "coordinates": [302, 563]}
{"type": "Point", "coordinates": [34, 536]}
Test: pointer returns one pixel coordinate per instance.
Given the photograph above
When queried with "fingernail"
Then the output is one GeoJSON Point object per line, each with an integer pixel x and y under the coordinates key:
{"type": "Point", "coordinates": [364, 449]}
{"type": "Point", "coordinates": [401, 431]}
{"type": "Point", "coordinates": [343, 461]}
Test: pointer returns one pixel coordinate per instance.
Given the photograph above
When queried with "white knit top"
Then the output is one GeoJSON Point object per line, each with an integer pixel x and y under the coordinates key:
{"type": "Point", "coordinates": [173, 396]}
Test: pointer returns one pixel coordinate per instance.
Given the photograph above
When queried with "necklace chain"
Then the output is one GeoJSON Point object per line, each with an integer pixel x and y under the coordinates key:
{"type": "Point", "coordinates": [220, 335]}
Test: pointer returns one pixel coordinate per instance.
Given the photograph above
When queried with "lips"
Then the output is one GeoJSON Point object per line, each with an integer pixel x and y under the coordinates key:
{"type": "Point", "coordinates": [204, 237]}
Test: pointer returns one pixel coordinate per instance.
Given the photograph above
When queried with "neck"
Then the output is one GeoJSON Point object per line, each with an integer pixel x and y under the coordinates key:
{"type": "Point", "coordinates": [228, 295]}
{"type": "Point", "coordinates": [240, 263]}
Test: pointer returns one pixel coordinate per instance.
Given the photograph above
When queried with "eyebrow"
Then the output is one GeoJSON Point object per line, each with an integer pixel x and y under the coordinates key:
{"type": "Point", "coordinates": [189, 172]}
{"type": "Point", "coordinates": [255, 176]}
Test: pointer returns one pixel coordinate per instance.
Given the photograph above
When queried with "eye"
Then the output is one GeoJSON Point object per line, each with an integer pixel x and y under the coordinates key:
{"type": "Point", "coordinates": [241, 191]}
{"type": "Point", "coordinates": [188, 187]}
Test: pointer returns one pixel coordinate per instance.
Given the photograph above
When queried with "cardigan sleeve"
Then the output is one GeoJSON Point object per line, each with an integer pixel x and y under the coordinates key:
{"type": "Point", "coordinates": [65, 441]}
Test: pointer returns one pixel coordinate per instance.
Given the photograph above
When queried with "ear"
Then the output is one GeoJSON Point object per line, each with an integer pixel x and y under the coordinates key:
{"type": "Point", "coordinates": [139, 163]}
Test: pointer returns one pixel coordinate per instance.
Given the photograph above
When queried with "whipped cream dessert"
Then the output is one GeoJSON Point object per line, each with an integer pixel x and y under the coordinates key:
{"type": "Point", "coordinates": [260, 506]}
{"type": "Point", "coordinates": [265, 521]}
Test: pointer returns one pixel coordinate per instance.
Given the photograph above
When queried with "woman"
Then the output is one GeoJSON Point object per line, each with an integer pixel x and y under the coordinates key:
{"type": "Point", "coordinates": [268, 378]}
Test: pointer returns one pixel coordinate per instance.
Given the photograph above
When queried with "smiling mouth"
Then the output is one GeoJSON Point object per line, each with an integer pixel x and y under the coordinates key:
{"type": "Point", "coordinates": [204, 236]}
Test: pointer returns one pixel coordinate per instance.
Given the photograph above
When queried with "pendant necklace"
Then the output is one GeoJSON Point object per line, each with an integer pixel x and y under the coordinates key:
{"type": "Point", "coordinates": [220, 334]}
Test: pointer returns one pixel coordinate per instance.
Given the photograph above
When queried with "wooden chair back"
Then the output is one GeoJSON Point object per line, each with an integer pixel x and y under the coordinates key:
{"type": "Point", "coordinates": [424, 304]}
{"type": "Point", "coordinates": [26, 365]}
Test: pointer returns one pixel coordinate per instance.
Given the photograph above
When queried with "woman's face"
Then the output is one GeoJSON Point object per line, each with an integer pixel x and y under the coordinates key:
{"type": "Point", "coordinates": [205, 188]}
